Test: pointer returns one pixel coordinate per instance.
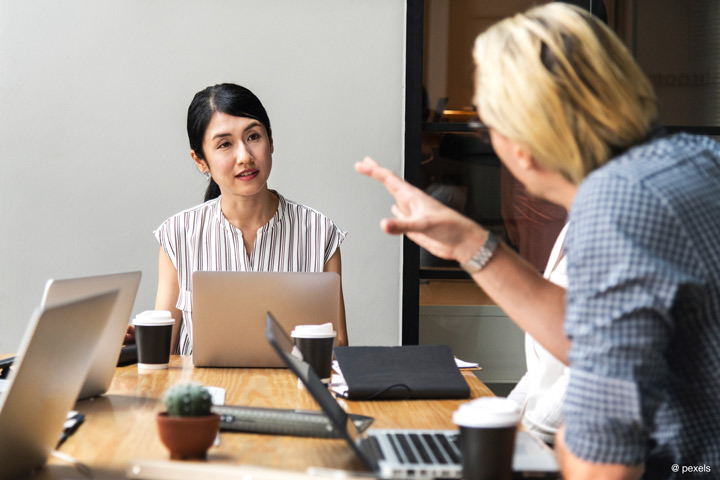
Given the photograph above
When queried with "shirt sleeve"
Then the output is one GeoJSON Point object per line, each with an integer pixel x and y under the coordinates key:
{"type": "Point", "coordinates": [334, 236]}
{"type": "Point", "coordinates": [622, 257]}
{"type": "Point", "coordinates": [167, 235]}
{"type": "Point", "coordinates": [520, 392]}
{"type": "Point", "coordinates": [546, 414]}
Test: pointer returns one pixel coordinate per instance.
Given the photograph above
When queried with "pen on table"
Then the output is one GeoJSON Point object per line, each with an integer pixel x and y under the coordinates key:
{"type": "Point", "coordinates": [74, 420]}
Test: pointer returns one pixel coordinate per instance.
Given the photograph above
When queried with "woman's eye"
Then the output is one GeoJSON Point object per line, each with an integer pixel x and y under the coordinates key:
{"type": "Point", "coordinates": [254, 136]}
{"type": "Point", "coordinates": [224, 145]}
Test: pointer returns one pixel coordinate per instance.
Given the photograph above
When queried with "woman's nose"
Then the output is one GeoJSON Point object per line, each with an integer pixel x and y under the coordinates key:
{"type": "Point", "coordinates": [243, 154]}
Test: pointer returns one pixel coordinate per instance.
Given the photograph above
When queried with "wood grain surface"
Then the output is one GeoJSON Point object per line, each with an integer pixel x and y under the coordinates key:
{"type": "Point", "coordinates": [120, 429]}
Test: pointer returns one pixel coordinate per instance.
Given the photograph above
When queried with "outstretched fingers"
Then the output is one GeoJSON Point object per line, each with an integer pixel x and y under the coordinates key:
{"type": "Point", "coordinates": [398, 226]}
{"type": "Point", "coordinates": [406, 220]}
{"type": "Point", "coordinates": [394, 226]}
{"type": "Point", "coordinates": [387, 177]}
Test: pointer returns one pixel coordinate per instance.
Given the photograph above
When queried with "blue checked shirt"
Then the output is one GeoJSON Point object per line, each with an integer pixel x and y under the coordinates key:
{"type": "Point", "coordinates": [643, 310]}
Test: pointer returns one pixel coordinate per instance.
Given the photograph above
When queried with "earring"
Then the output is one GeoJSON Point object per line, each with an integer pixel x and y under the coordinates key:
{"type": "Point", "coordinates": [207, 174]}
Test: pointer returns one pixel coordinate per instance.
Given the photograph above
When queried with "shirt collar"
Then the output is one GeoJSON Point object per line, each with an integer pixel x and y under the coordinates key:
{"type": "Point", "coordinates": [217, 215]}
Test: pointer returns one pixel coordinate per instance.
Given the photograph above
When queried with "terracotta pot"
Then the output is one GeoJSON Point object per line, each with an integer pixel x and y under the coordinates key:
{"type": "Point", "coordinates": [188, 437]}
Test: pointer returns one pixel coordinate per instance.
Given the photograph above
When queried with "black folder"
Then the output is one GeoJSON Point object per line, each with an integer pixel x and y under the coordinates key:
{"type": "Point", "coordinates": [407, 372]}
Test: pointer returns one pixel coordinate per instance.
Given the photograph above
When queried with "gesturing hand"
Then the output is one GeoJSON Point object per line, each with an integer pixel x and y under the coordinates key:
{"type": "Point", "coordinates": [442, 231]}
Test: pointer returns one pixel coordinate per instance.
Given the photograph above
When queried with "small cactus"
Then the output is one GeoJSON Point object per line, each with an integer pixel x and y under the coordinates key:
{"type": "Point", "coordinates": [187, 400]}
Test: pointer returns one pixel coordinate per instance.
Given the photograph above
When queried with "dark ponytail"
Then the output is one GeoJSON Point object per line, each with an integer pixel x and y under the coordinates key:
{"type": "Point", "coordinates": [212, 190]}
{"type": "Point", "coordinates": [226, 98]}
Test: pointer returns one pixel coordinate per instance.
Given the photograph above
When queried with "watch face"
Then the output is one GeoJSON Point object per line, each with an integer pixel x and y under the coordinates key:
{"type": "Point", "coordinates": [477, 262]}
{"type": "Point", "coordinates": [482, 256]}
{"type": "Point", "coordinates": [471, 266]}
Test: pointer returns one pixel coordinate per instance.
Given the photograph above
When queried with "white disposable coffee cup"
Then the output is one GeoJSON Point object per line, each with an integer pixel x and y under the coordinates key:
{"type": "Point", "coordinates": [488, 427]}
{"type": "Point", "coordinates": [153, 335]}
{"type": "Point", "coordinates": [316, 343]}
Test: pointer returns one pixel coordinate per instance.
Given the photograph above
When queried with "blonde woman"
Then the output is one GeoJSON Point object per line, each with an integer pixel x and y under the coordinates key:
{"type": "Point", "coordinates": [575, 120]}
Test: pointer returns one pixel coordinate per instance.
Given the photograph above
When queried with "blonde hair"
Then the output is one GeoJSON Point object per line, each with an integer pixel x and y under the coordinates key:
{"type": "Point", "coordinates": [558, 81]}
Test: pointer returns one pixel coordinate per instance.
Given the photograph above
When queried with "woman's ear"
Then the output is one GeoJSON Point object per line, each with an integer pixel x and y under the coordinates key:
{"type": "Point", "coordinates": [525, 160]}
{"type": "Point", "coordinates": [199, 162]}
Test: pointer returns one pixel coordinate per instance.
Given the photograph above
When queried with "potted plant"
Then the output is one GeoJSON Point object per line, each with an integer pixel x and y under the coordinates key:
{"type": "Point", "coordinates": [188, 427]}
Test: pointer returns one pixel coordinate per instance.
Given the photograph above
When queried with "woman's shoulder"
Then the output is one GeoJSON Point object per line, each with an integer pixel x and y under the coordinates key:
{"type": "Point", "coordinates": [192, 215]}
{"type": "Point", "coordinates": [299, 208]}
{"type": "Point", "coordinates": [293, 214]}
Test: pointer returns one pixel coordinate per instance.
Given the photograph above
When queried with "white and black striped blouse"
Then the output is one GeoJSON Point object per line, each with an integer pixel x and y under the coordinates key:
{"type": "Point", "coordinates": [296, 239]}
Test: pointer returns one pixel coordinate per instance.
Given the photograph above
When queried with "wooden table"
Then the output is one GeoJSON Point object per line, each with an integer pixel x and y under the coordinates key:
{"type": "Point", "coordinates": [120, 427]}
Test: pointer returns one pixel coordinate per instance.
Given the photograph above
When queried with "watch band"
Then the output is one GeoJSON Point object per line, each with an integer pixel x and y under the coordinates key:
{"type": "Point", "coordinates": [483, 255]}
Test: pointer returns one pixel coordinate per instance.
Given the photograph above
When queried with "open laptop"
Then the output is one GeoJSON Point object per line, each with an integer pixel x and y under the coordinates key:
{"type": "Point", "coordinates": [50, 367]}
{"type": "Point", "coordinates": [106, 355]}
{"type": "Point", "coordinates": [228, 313]}
{"type": "Point", "coordinates": [402, 453]}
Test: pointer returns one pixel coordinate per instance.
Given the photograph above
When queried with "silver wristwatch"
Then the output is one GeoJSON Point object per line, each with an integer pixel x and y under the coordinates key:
{"type": "Point", "coordinates": [483, 255]}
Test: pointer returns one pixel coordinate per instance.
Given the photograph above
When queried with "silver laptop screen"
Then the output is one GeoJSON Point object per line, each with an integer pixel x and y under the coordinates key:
{"type": "Point", "coordinates": [285, 347]}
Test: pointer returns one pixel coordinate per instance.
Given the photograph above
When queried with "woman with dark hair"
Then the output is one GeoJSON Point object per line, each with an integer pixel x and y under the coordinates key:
{"type": "Point", "coordinates": [243, 225]}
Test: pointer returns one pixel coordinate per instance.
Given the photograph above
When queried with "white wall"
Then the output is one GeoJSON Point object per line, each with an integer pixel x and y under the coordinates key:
{"type": "Point", "coordinates": [93, 99]}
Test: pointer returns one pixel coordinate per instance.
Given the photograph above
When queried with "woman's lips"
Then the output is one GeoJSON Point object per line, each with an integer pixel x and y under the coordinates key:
{"type": "Point", "coordinates": [246, 175]}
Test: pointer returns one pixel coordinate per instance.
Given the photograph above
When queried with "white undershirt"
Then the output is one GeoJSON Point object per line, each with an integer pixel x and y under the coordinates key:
{"type": "Point", "coordinates": [541, 390]}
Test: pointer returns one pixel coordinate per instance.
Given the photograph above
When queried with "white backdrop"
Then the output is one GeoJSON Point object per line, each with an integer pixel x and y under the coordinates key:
{"type": "Point", "coordinates": [93, 103]}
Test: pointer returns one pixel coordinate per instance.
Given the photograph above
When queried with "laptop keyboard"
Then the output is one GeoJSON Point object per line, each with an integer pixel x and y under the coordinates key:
{"type": "Point", "coordinates": [428, 448]}
{"type": "Point", "coordinates": [374, 446]}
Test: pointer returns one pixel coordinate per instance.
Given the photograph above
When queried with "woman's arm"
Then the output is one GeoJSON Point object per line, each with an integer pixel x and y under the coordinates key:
{"type": "Point", "coordinates": [535, 304]}
{"type": "Point", "coordinates": [577, 468]}
{"type": "Point", "coordinates": [168, 290]}
{"type": "Point", "coordinates": [335, 265]}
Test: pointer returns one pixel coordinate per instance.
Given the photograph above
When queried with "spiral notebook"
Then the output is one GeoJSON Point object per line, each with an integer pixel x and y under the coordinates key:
{"type": "Point", "coordinates": [396, 373]}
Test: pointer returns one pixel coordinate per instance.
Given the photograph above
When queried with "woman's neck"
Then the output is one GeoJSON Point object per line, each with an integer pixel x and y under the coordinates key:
{"type": "Point", "coordinates": [249, 213]}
